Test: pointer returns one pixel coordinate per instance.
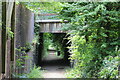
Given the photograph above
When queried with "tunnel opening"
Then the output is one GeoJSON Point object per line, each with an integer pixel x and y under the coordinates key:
{"type": "Point", "coordinates": [52, 50]}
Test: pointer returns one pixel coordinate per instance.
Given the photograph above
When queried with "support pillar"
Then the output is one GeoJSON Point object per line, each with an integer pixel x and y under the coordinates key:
{"type": "Point", "coordinates": [40, 49]}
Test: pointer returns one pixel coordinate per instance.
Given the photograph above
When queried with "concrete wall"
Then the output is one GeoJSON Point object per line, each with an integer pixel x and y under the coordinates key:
{"type": "Point", "coordinates": [24, 33]}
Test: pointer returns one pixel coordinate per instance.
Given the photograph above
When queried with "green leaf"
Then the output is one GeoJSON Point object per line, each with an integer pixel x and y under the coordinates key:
{"type": "Point", "coordinates": [103, 34]}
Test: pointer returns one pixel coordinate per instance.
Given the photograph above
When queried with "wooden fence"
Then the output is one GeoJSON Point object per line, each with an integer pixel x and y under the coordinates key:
{"type": "Point", "coordinates": [20, 21]}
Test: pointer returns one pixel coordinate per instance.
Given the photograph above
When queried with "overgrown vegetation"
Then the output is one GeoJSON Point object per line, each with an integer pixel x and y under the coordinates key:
{"type": "Point", "coordinates": [42, 7]}
{"type": "Point", "coordinates": [94, 35]}
{"type": "Point", "coordinates": [54, 40]}
{"type": "Point", "coordinates": [95, 38]}
{"type": "Point", "coordinates": [35, 72]}
{"type": "Point", "coordinates": [47, 41]}
{"type": "Point", "coordinates": [58, 42]}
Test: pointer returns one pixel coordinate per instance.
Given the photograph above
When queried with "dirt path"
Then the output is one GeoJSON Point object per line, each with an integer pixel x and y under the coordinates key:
{"type": "Point", "coordinates": [54, 67]}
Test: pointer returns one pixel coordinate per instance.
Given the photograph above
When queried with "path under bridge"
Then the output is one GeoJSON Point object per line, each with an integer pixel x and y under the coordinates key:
{"type": "Point", "coordinates": [53, 65]}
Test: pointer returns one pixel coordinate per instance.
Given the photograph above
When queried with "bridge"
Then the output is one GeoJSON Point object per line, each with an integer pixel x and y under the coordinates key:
{"type": "Point", "coordinates": [52, 26]}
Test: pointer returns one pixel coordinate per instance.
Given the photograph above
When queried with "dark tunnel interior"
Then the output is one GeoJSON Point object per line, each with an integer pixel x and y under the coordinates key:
{"type": "Point", "coordinates": [51, 59]}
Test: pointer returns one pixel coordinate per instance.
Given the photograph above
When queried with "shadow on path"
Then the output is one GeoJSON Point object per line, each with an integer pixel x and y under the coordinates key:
{"type": "Point", "coordinates": [54, 66]}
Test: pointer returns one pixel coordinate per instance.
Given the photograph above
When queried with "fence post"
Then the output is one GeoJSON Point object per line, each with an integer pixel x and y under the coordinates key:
{"type": "Point", "coordinates": [3, 36]}
{"type": "Point", "coordinates": [0, 39]}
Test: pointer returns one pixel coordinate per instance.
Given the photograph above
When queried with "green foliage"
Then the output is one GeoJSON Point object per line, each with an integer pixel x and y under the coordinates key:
{"type": "Point", "coordinates": [41, 7]}
{"type": "Point", "coordinates": [20, 63]}
{"type": "Point", "coordinates": [28, 46]}
{"type": "Point", "coordinates": [58, 42]}
{"type": "Point", "coordinates": [110, 67]}
{"type": "Point", "coordinates": [9, 32]}
{"type": "Point", "coordinates": [55, 40]}
{"type": "Point", "coordinates": [21, 56]}
{"type": "Point", "coordinates": [85, 56]}
{"type": "Point", "coordinates": [94, 35]}
{"type": "Point", "coordinates": [47, 41]}
{"type": "Point", "coordinates": [36, 29]}
{"type": "Point", "coordinates": [35, 73]}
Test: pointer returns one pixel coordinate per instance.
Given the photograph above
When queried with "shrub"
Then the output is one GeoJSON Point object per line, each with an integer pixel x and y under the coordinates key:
{"type": "Point", "coordinates": [35, 73]}
{"type": "Point", "coordinates": [110, 67]}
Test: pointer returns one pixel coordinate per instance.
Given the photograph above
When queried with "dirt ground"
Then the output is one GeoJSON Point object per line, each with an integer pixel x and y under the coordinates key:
{"type": "Point", "coordinates": [54, 67]}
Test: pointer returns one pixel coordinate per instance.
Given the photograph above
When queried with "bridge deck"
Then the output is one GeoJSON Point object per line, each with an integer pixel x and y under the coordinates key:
{"type": "Point", "coordinates": [50, 21]}
{"type": "Point", "coordinates": [52, 26]}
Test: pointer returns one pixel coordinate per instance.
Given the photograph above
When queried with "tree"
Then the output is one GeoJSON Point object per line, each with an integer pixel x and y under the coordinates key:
{"type": "Point", "coordinates": [94, 34]}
